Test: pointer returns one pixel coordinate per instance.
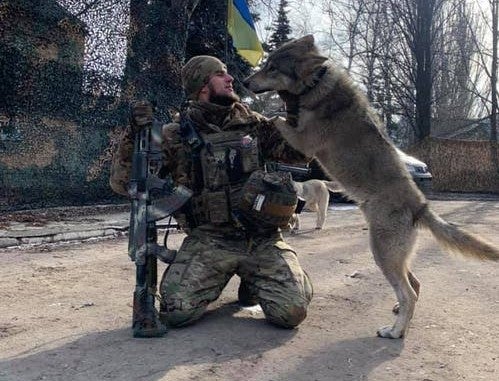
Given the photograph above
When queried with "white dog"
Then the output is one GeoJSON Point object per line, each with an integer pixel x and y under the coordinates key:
{"type": "Point", "coordinates": [316, 195]}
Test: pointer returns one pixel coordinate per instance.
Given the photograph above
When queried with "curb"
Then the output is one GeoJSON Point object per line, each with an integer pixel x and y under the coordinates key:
{"type": "Point", "coordinates": [69, 236]}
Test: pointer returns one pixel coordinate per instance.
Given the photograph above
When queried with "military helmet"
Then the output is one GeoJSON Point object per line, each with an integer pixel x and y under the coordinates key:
{"type": "Point", "coordinates": [197, 72]}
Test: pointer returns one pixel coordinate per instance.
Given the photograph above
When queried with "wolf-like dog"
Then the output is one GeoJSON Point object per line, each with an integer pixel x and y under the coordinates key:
{"type": "Point", "coordinates": [330, 119]}
{"type": "Point", "coordinates": [316, 195]}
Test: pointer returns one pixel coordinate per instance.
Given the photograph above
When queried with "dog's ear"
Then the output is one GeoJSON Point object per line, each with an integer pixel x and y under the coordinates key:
{"type": "Point", "coordinates": [304, 44]}
{"type": "Point", "coordinates": [307, 58]}
{"type": "Point", "coordinates": [307, 40]}
{"type": "Point", "coordinates": [306, 67]}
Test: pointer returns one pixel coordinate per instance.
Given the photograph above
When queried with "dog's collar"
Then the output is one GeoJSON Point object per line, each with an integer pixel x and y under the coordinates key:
{"type": "Point", "coordinates": [315, 80]}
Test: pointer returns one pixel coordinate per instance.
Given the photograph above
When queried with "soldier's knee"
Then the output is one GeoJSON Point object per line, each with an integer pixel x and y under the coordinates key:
{"type": "Point", "coordinates": [286, 317]}
{"type": "Point", "coordinates": [179, 317]}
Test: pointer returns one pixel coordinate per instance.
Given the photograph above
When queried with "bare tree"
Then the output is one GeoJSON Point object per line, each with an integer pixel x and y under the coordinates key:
{"type": "Point", "coordinates": [494, 7]}
{"type": "Point", "coordinates": [455, 71]}
{"type": "Point", "coordinates": [486, 42]}
{"type": "Point", "coordinates": [415, 20]}
{"type": "Point", "coordinates": [346, 23]}
{"type": "Point", "coordinates": [414, 57]}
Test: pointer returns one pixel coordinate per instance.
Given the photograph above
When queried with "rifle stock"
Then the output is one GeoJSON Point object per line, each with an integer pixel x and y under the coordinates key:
{"type": "Point", "coordinates": [152, 199]}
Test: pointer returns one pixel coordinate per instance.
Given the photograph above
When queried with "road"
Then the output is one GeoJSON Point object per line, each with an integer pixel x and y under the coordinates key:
{"type": "Point", "coordinates": [65, 315]}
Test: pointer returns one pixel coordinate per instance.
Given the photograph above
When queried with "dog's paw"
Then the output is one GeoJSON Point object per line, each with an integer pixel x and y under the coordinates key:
{"type": "Point", "coordinates": [388, 332]}
{"type": "Point", "coordinates": [284, 126]}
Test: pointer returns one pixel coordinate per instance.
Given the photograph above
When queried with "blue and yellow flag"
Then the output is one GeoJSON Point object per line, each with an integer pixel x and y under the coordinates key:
{"type": "Point", "coordinates": [242, 30]}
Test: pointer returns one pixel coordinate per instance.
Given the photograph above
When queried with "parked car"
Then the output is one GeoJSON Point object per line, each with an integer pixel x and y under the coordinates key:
{"type": "Point", "coordinates": [418, 170]}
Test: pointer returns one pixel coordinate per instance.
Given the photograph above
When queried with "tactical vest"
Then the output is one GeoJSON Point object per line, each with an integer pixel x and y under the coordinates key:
{"type": "Point", "coordinates": [234, 187]}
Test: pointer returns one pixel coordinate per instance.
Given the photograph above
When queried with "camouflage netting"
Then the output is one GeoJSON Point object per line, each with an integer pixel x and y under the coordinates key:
{"type": "Point", "coordinates": [68, 71]}
{"type": "Point", "coordinates": [55, 123]}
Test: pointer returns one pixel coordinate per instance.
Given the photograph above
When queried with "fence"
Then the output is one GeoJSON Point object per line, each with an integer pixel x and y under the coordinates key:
{"type": "Point", "coordinates": [460, 165]}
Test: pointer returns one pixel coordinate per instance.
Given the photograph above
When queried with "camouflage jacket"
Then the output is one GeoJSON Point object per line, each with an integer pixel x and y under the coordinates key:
{"type": "Point", "coordinates": [208, 118]}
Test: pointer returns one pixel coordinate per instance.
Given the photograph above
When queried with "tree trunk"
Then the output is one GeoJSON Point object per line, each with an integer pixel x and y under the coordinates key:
{"type": "Point", "coordinates": [423, 56]}
{"type": "Point", "coordinates": [156, 51]}
{"type": "Point", "coordinates": [493, 85]}
{"type": "Point", "coordinates": [493, 76]}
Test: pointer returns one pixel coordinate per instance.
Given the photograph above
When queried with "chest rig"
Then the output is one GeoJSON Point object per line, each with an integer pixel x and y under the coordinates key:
{"type": "Point", "coordinates": [221, 162]}
{"type": "Point", "coordinates": [231, 185]}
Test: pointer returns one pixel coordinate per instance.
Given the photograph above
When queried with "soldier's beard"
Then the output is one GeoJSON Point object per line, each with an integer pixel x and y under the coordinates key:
{"type": "Point", "coordinates": [224, 100]}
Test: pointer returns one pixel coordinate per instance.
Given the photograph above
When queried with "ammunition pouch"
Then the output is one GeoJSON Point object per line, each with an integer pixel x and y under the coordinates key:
{"type": "Point", "coordinates": [212, 207]}
{"type": "Point", "coordinates": [268, 199]}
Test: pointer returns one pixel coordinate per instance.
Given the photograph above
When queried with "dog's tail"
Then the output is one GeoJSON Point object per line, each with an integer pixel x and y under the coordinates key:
{"type": "Point", "coordinates": [456, 239]}
{"type": "Point", "coordinates": [332, 186]}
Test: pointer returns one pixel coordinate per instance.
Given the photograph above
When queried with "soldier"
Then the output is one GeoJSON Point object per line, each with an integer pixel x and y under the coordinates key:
{"type": "Point", "coordinates": [221, 242]}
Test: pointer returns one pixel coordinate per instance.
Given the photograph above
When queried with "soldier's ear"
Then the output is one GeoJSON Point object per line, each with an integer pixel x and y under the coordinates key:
{"type": "Point", "coordinates": [204, 93]}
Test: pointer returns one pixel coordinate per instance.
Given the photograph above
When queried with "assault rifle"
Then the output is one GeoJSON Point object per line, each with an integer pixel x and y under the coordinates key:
{"type": "Point", "coordinates": [298, 172]}
{"type": "Point", "coordinates": [152, 199]}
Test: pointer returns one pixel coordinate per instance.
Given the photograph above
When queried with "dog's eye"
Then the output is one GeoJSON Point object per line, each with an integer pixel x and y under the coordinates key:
{"type": "Point", "coordinates": [271, 69]}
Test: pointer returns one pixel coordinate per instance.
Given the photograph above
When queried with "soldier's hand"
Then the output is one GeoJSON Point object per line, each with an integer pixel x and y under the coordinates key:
{"type": "Point", "coordinates": [142, 115]}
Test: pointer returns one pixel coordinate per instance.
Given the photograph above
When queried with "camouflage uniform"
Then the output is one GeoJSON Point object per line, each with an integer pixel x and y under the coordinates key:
{"type": "Point", "coordinates": [212, 253]}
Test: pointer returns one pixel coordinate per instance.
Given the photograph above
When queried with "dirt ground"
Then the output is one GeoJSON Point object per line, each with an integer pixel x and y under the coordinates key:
{"type": "Point", "coordinates": [65, 314]}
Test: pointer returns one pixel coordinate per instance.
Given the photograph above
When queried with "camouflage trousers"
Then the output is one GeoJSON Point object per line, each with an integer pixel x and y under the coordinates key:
{"type": "Point", "coordinates": [207, 260]}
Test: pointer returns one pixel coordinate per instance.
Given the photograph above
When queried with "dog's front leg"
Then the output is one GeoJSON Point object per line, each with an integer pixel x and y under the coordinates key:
{"type": "Point", "coordinates": [282, 125]}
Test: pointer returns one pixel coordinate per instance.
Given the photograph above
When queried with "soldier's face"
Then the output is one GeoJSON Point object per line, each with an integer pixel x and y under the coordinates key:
{"type": "Point", "coordinates": [219, 89]}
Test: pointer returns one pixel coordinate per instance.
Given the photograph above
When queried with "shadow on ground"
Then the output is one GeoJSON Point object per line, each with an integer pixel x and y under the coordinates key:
{"type": "Point", "coordinates": [345, 360]}
{"type": "Point", "coordinates": [115, 355]}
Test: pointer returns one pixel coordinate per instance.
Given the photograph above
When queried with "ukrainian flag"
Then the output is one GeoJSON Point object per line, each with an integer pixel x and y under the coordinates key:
{"type": "Point", "coordinates": [243, 33]}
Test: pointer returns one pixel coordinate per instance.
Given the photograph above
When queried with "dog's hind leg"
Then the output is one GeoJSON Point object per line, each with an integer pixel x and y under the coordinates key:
{"type": "Point", "coordinates": [415, 286]}
{"type": "Point", "coordinates": [392, 245]}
